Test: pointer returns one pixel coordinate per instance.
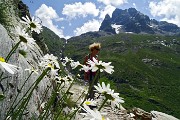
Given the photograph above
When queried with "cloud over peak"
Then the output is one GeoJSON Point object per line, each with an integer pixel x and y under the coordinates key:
{"type": "Point", "coordinates": [113, 2]}
{"type": "Point", "coordinates": [91, 25]}
{"type": "Point", "coordinates": [80, 10]}
{"type": "Point", "coordinates": [107, 10]}
{"type": "Point", "coordinates": [168, 9]}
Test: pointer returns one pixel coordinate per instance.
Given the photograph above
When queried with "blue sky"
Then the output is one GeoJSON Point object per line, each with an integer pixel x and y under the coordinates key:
{"type": "Point", "coordinates": [69, 18]}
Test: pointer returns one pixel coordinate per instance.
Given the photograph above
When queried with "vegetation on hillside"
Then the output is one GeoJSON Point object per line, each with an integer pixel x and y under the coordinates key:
{"type": "Point", "coordinates": [54, 43]}
{"type": "Point", "coordinates": [147, 68]}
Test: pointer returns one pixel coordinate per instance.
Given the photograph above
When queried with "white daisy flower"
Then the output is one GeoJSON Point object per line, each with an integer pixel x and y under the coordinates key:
{"type": "Point", "coordinates": [85, 68]}
{"type": "Point", "coordinates": [8, 67]}
{"type": "Point", "coordinates": [103, 89]}
{"type": "Point", "coordinates": [115, 102]}
{"type": "Point", "coordinates": [49, 61]}
{"type": "Point", "coordinates": [74, 64]}
{"type": "Point", "coordinates": [95, 65]}
{"type": "Point", "coordinates": [92, 114]}
{"type": "Point", "coordinates": [90, 102]}
{"type": "Point", "coordinates": [107, 67]}
{"type": "Point", "coordinates": [26, 40]}
{"type": "Point", "coordinates": [54, 72]}
{"type": "Point", "coordinates": [66, 80]}
{"type": "Point", "coordinates": [33, 24]}
{"type": "Point", "coordinates": [32, 70]}
{"type": "Point", "coordinates": [50, 57]}
{"type": "Point", "coordinates": [113, 97]}
{"type": "Point", "coordinates": [66, 60]}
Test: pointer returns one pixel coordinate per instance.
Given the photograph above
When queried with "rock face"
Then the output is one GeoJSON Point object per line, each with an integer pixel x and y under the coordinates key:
{"type": "Point", "coordinates": [106, 25]}
{"type": "Point", "coordinates": [12, 83]}
{"type": "Point", "coordinates": [162, 116]}
{"type": "Point", "coordinates": [132, 20]}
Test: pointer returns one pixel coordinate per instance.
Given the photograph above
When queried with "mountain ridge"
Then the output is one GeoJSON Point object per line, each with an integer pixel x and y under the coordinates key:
{"type": "Point", "coordinates": [131, 20]}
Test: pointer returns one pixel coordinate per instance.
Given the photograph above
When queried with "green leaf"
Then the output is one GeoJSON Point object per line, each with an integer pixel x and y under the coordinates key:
{"type": "Point", "coordinates": [1, 97]}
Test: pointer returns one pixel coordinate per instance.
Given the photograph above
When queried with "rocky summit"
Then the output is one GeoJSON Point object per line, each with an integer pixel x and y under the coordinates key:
{"type": "Point", "coordinates": [132, 21]}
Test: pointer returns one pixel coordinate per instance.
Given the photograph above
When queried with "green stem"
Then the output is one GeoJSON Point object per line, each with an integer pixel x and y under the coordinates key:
{"type": "Point", "coordinates": [0, 82]}
{"type": "Point", "coordinates": [70, 87]}
{"type": "Point", "coordinates": [75, 103]}
{"type": "Point", "coordinates": [45, 93]}
{"type": "Point", "coordinates": [47, 108]}
{"type": "Point", "coordinates": [90, 87]}
{"type": "Point", "coordinates": [21, 99]}
{"type": "Point", "coordinates": [92, 84]}
{"type": "Point", "coordinates": [20, 90]}
{"type": "Point", "coordinates": [1, 76]}
{"type": "Point", "coordinates": [9, 55]}
{"type": "Point", "coordinates": [103, 104]}
{"type": "Point", "coordinates": [12, 51]}
{"type": "Point", "coordinates": [58, 114]}
{"type": "Point", "coordinates": [26, 100]}
{"type": "Point", "coordinates": [79, 97]}
{"type": "Point", "coordinates": [64, 97]}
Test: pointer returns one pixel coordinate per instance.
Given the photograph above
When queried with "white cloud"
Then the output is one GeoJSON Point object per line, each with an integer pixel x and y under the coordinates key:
{"type": "Point", "coordinates": [113, 2]}
{"type": "Point", "coordinates": [134, 4]}
{"type": "Point", "coordinates": [91, 25]}
{"type": "Point", "coordinates": [47, 16]}
{"type": "Point", "coordinates": [79, 9]}
{"type": "Point", "coordinates": [169, 10]}
{"type": "Point", "coordinates": [59, 19]}
{"type": "Point", "coordinates": [107, 10]}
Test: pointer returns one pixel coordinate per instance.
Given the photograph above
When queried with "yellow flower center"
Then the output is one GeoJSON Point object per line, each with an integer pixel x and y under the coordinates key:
{"type": "Point", "coordinates": [87, 102]}
{"type": "Point", "coordinates": [103, 118]}
{"type": "Point", "coordinates": [49, 65]}
{"type": "Point", "coordinates": [2, 59]}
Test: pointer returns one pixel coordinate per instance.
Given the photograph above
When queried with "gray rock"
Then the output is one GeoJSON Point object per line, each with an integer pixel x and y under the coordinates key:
{"type": "Point", "coordinates": [12, 83]}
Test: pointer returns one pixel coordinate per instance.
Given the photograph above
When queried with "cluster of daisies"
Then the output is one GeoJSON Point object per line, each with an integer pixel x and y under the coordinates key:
{"type": "Point", "coordinates": [25, 41]}
{"type": "Point", "coordinates": [105, 93]}
{"type": "Point", "coordinates": [92, 65]}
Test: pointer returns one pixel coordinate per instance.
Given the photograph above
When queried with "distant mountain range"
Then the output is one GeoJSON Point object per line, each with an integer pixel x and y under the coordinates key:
{"type": "Point", "coordinates": [132, 21]}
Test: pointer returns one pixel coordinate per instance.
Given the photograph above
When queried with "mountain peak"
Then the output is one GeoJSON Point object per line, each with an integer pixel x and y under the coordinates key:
{"type": "Point", "coordinates": [107, 17]}
{"type": "Point", "coordinates": [131, 20]}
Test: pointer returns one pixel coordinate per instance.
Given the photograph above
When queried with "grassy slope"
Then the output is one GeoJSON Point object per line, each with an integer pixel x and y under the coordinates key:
{"type": "Point", "coordinates": [150, 86]}
{"type": "Point", "coordinates": [54, 43]}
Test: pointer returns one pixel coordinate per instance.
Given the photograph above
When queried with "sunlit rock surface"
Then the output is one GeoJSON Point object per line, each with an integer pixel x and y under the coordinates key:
{"type": "Point", "coordinates": [12, 83]}
{"type": "Point", "coordinates": [162, 116]}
